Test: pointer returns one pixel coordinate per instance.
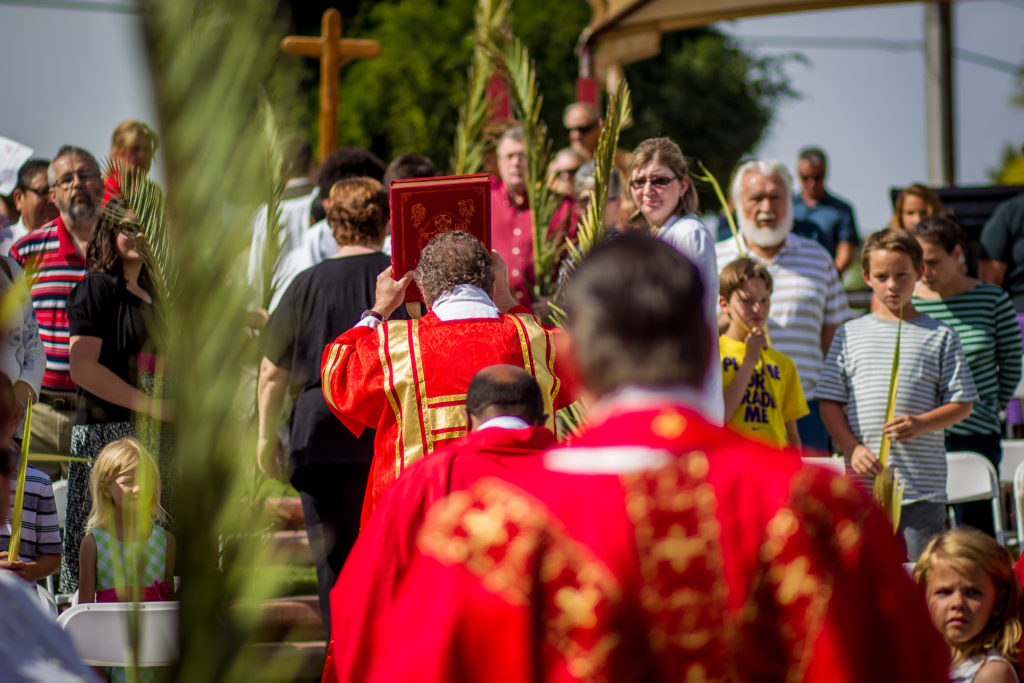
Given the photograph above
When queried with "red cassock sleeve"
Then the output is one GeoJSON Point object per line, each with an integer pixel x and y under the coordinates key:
{"type": "Point", "coordinates": [351, 375]}
{"type": "Point", "coordinates": [365, 588]}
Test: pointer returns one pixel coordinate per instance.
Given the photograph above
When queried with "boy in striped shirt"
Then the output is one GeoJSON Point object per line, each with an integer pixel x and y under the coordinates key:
{"type": "Point", "coordinates": [935, 388]}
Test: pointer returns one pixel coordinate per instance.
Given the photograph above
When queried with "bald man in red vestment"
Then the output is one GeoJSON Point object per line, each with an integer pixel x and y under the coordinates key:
{"type": "Point", "coordinates": [408, 379]}
{"type": "Point", "coordinates": [654, 546]}
{"type": "Point", "coordinates": [506, 417]}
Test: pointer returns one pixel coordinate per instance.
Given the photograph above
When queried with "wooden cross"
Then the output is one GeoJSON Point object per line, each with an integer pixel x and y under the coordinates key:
{"type": "Point", "coordinates": [333, 51]}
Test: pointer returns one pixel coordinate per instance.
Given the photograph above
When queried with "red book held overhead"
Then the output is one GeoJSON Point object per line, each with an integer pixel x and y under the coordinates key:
{"type": "Point", "coordinates": [422, 208]}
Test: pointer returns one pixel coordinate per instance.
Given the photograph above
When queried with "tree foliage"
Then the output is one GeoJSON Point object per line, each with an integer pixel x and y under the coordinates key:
{"type": "Point", "coordinates": [702, 90]}
{"type": "Point", "coordinates": [708, 95]}
{"type": "Point", "coordinates": [1011, 167]}
{"type": "Point", "coordinates": [407, 99]}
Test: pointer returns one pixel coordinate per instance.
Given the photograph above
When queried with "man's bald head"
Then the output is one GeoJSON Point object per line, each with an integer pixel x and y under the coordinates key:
{"type": "Point", "coordinates": [500, 390]}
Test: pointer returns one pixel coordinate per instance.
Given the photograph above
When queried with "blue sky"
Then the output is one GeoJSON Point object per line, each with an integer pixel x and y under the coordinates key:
{"type": "Point", "coordinates": [73, 75]}
{"type": "Point", "coordinates": [866, 107]}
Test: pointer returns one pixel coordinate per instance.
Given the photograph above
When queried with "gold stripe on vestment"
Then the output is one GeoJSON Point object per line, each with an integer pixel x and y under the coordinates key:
{"type": "Point", "coordinates": [534, 340]}
{"type": "Point", "coordinates": [328, 370]}
{"type": "Point", "coordinates": [398, 349]}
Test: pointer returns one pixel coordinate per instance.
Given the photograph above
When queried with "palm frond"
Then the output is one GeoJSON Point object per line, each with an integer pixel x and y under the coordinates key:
{"type": "Point", "coordinates": [208, 59]}
{"type": "Point", "coordinates": [707, 177]}
{"type": "Point", "coordinates": [591, 230]}
{"type": "Point", "coordinates": [516, 68]}
{"type": "Point", "coordinates": [146, 200]}
{"type": "Point", "coordinates": [273, 161]}
{"type": "Point", "coordinates": [470, 141]}
{"type": "Point", "coordinates": [887, 489]}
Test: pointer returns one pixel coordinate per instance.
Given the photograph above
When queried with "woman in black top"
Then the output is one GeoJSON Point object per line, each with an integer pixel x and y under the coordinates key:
{"type": "Point", "coordinates": [330, 465]}
{"type": "Point", "coordinates": [109, 314]}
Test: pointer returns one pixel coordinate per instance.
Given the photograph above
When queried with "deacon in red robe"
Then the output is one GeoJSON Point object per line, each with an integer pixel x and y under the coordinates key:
{"type": "Point", "coordinates": [654, 546]}
{"type": "Point", "coordinates": [506, 416]}
{"type": "Point", "coordinates": [408, 379]}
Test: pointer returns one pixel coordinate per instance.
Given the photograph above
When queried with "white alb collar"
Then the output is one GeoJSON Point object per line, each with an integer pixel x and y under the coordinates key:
{"type": "Point", "coordinates": [464, 302]}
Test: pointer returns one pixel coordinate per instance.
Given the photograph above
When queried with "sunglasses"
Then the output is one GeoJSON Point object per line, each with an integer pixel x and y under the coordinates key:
{"type": "Point", "coordinates": [42, 191]}
{"type": "Point", "coordinates": [583, 129]}
{"type": "Point", "coordinates": [655, 181]}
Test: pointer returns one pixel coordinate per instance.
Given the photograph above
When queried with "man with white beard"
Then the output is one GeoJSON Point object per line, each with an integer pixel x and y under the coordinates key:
{"type": "Point", "coordinates": [808, 303]}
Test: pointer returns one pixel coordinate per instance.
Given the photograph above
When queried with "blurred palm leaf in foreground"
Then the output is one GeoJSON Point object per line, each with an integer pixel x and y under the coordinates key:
{"type": "Point", "coordinates": [208, 60]}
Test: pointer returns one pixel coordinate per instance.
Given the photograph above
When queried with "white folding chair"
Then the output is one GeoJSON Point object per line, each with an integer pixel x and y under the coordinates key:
{"type": "Point", "coordinates": [972, 477]}
{"type": "Point", "coordinates": [99, 631]}
{"type": "Point", "coordinates": [1013, 455]}
{"type": "Point", "coordinates": [1018, 502]}
{"type": "Point", "coordinates": [836, 464]}
{"type": "Point", "coordinates": [60, 496]}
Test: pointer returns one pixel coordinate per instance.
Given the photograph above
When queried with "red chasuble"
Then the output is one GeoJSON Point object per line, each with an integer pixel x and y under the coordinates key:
{"type": "Point", "coordinates": [730, 562]}
{"type": "Point", "coordinates": [408, 380]}
{"type": "Point", "coordinates": [375, 566]}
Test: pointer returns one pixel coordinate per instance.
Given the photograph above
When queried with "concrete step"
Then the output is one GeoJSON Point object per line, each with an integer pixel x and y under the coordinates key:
{"type": "Point", "coordinates": [291, 547]}
{"type": "Point", "coordinates": [286, 512]}
{"type": "Point", "coordinates": [290, 619]}
{"type": "Point", "coordinates": [301, 661]}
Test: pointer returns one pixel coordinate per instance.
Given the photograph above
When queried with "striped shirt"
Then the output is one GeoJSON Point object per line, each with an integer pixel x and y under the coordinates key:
{"type": "Point", "coordinates": [987, 325]}
{"type": "Point", "coordinates": [806, 296]}
{"type": "Point", "coordinates": [40, 534]}
{"type": "Point", "coordinates": [58, 267]}
{"type": "Point", "coordinates": [933, 372]}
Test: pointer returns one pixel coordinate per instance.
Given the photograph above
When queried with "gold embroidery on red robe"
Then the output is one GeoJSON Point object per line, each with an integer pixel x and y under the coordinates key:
{"type": "Point", "coordinates": [506, 539]}
{"type": "Point", "coordinates": [677, 535]}
{"type": "Point", "coordinates": [806, 543]}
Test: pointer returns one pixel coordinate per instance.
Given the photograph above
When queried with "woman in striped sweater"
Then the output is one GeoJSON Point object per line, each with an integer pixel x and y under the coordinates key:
{"type": "Point", "coordinates": [984, 318]}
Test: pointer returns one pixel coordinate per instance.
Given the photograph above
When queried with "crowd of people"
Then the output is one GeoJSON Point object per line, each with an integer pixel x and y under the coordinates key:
{"type": "Point", "coordinates": [675, 532]}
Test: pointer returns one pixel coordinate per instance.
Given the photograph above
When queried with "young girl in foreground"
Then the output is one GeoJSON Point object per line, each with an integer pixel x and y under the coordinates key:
{"type": "Point", "coordinates": [974, 602]}
{"type": "Point", "coordinates": [125, 488]}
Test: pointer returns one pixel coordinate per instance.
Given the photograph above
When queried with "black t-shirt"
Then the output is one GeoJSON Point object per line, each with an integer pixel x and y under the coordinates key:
{"type": "Point", "coordinates": [101, 306]}
{"type": "Point", "coordinates": [320, 304]}
{"type": "Point", "coordinates": [1002, 239]}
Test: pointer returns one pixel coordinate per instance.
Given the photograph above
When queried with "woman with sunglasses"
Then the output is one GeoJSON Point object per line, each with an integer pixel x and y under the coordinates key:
{"type": "Point", "coordinates": [111, 314]}
{"type": "Point", "coordinates": [666, 201]}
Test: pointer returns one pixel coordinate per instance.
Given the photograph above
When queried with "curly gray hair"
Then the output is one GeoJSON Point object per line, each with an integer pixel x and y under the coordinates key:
{"type": "Point", "coordinates": [450, 259]}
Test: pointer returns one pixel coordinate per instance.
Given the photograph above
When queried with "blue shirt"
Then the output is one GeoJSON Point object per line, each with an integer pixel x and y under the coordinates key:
{"type": "Point", "coordinates": [834, 219]}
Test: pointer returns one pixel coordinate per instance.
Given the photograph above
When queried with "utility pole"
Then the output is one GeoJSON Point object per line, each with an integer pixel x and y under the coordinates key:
{"type": "Point", "coordinates": [938, 32]}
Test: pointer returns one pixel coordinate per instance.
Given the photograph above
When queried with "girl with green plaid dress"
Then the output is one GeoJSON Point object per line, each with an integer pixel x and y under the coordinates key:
{"type": "Point", "coordinates": [125, 556]}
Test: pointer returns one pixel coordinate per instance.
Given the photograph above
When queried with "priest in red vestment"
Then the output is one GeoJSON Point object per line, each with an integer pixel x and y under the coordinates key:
{"type": "Point", "coordinates": [408, 379]}
{"type": "Point", "coordinates": [505, 412]}
{"type": "Point", "coordinates": [654, 546]}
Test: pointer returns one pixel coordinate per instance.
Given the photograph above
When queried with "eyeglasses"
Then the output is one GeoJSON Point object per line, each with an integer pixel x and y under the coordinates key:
{"type": "Point", "coordinates": [657, 182]}
{"type": "Point", "coordinates": [582, 130]}
{"type": "Point", "coordinates": [567, 172]}
{"type": "Point", "coordinates": [66, 180]}
{"type": "Point", "coordinates": [41, 191]}
{"type": "Point", "coordinates": [813, 176]}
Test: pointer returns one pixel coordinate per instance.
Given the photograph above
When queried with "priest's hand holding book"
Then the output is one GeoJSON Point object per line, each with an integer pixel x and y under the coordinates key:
{"type": "Point", "coordinates": [390, 293]}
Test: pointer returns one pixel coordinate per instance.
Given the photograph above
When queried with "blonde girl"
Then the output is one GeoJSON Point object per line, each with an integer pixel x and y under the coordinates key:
{"type": "Point", "coordinates": [122, 529]}
{"type": "Point", "coordinates": [974, 602]}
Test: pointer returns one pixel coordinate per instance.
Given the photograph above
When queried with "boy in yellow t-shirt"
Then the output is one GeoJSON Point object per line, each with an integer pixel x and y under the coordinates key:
{"type": "Point", "coordinates": [763, 397]}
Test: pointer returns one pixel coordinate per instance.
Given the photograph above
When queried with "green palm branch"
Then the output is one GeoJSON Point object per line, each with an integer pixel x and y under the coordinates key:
{"type": "Point", "coordinates": [273, 159]}
{"type": "Point", "coordinates": [887, 489]}
{"type": "Point", "coordinates": [209, 59]}
{"type": "Point", "coordinates": [474, 114]}
{"type": "Point", "coordinates": [513, 61]}
{"type": "Point", "coordinates": [591, 230]}
{"type": "Point", "coordinates": [146, 200]}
